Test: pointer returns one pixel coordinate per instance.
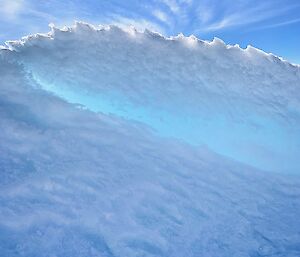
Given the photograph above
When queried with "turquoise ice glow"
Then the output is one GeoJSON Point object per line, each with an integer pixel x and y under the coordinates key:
{"type": "Point", "coordinates": [258, 141]}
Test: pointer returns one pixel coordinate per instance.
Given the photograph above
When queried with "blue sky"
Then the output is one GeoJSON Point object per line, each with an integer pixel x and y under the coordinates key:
{"type": "Point", "coordinates": [271, 25]}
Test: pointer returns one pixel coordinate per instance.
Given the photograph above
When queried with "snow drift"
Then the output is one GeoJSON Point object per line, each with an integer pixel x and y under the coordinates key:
{"type": "Point", "coordinates": [116, 143]}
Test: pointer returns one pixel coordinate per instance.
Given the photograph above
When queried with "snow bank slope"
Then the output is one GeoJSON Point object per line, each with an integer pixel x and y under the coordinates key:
{"type": "Point", "coordinates": [241, 103]}
{"type": "Point", "coordinates": [77, 183]}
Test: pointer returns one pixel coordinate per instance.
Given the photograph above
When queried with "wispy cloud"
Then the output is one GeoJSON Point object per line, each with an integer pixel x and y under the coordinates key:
{"type": "Point", "coordinates": [14, 9]}
{"type": "Point", "coordinates": [172, 5]}
{"type": "Point", "coordinates": [239, 15]}
{"type": "Point", "coordinates": [10, 9]}
{"type": "Point", "coordinates": [280, 24]}
{"type": "Point", "coordinates": [137, 22]}
{"type": "Point", "coordinates": [162, 16]}
{"type": "Point", "coordinates": [204, 14]}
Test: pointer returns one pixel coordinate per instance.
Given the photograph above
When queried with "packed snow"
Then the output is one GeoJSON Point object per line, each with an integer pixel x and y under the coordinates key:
{"type": "Point", "coordinates": [122, 143]}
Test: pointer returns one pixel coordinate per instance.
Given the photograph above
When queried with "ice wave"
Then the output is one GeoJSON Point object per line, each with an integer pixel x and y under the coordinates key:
{"type": "Point", "coordinates": [79, 183]}
{"type": "Point", "coordinates": [242, 103]}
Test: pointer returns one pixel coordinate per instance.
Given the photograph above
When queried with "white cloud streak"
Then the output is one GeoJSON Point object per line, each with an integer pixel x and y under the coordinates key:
{"type": "Point", "coordinates": [11, 8]}
{"type": "Point", "coordinates": [244, 16]}
{"type": "Point", "coordinates": [161, 16]}
{"type": "Point", "coordinates": [173, 5]}
{"type": "Point", "coordinates": [281, 24]}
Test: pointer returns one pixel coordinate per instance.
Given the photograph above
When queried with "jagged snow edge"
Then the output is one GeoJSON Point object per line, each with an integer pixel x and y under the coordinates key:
{"type": "Point", "coordinates": [12, 45]}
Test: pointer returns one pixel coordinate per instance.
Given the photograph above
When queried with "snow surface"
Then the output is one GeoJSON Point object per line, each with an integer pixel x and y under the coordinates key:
{"type": "Point", "coordinates": [116, 143]}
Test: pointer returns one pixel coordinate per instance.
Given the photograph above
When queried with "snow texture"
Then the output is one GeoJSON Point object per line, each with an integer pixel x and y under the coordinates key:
{"type": "Point", "coordinates": [123, 143]}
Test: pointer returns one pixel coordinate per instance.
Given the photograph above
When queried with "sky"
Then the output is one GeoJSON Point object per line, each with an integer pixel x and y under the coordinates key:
{"type": "Point", "coordinates": [270, 25]}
